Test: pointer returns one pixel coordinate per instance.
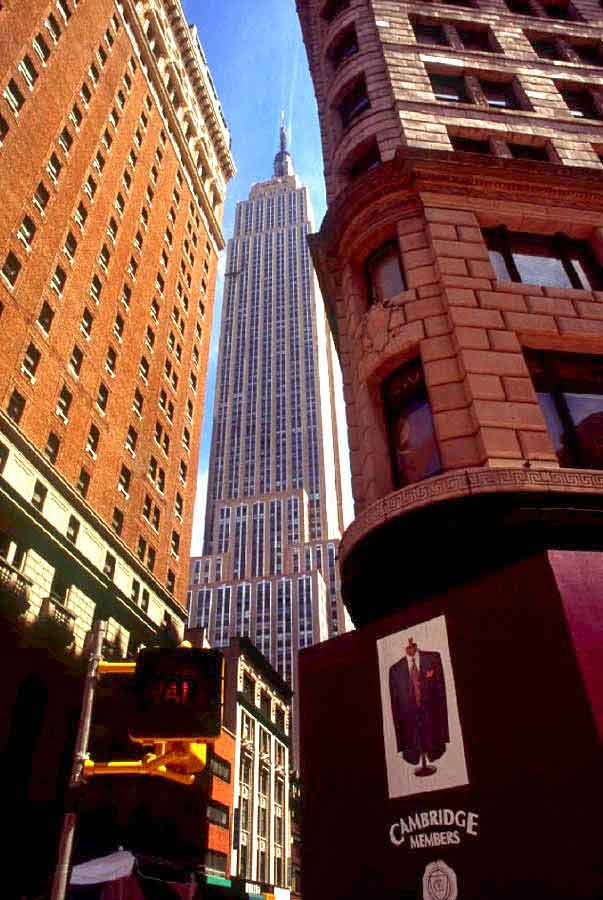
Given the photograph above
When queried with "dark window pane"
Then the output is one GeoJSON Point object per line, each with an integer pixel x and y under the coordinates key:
{"type": "Point", "coordinates": [410, 423]}
{"type": "Point", "coordinates": [449, 87]}
{"type": "Point", "coordinates": [528, 151]}
{"type": "Point", "coordinates": [470, 145]}
{"type": "Point", "coordinates": [589, 53]}
{"type": "Point", "coordinates": [586, 414]}
{"type": "Point", "coordinates": [384, 273]}
{"type": "Point", "coordinates": [475, 39]}
{"type": "Point", "coordinates": [500, 95]}
{"type": "Point", "coordinates": [537, 262]}
{"type": "Point", "coordinates": [520, 6]}
{"type": "Point", "coordinates": [354, 103]}
{"type": "Point", "coordinates": [433, 35]}
{"type": "Point", "coordinates": [344, 47]}
{"type": "Point", "coordinates": [546, 49]}
{"type": "Point", "coordinates": [369, 159]}
{"type": "Point", "coordinates": [580, 103]}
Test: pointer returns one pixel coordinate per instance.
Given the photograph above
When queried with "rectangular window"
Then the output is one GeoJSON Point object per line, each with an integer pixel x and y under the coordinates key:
{"type": "Point", "coordinates": [13, 96]}
{"type": "Point", "coordinates": [86, 323]}
{"type": "Point", "coordinates": [38, 498]}
{"type": "Point", "coordinates": [26, 232]}
{"type": "Point", "coordinates": [413, 444]}
{"type": "Point", "coordinates": [54, 167]}
{"type": "Point", "coordinates": [80, 215]}
{"type": "Point", "coordinates": [449, 88]}
{"type": "Point", "coordinates": [65, 140]}
{"type": "Point", "coordinates": [430, 33]}
{"type": "Point", "coordinates": [41, 47]}
{"type": "Point", "coordinates": [64, 403]}
{"type": "Point", "coordinates": [570, 392]}
{"type": "Point", "coordinates": [11, 268]}
{"type": "Point", "coordinates": [580, 102]}
{"type": "Point", "coordinates": [83, 482]}
{"type": "Point", "coordinates": [547, 260]}
{"type": "Point", "coordinates": [31, 361]}
{"type": "Point", "coordinates": [59, 280]}
{"type": "Point", "coordinates": [354, 102]}
{"type": "Point", "coordinates": [15, 406]}
{"type": "Point", "coordinates": [29, 71]}
{"type": "Point", "coordinates": [476, 39]}
{"type": "Point", "coordinates": [41, 197]}
{"type": "Point", "coordinates": [469, 145]}
{"type": "Point", "coordinates": [53, 27]}
{"type": "Point", "coordinates": [45, 318]}
{"type": "Point", "coordinates": [500, 94]}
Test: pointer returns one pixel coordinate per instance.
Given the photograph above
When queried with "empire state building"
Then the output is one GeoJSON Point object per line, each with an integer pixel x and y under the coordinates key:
{"type": "Point", "coordinates": [274, 512]}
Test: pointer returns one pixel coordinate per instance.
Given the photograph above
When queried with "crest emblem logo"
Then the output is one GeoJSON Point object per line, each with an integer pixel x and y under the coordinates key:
{"type": "Point", "coordinates": [439, 882]}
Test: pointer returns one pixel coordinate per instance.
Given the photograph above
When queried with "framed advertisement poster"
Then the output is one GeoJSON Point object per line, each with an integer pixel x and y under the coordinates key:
{"type": "Point", "coordinates": [423, 739]}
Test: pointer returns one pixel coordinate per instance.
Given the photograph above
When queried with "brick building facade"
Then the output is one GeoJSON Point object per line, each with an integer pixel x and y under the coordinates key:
{"type": "Point", "coordinates": [461, 260]}
{"type": "Point", "coordinates": [114, 155]}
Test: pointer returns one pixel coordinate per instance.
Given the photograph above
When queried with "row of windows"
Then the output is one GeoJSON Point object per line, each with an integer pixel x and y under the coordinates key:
{"type": "Point", "coordinates": [553, 9]}
{"type": "Point", "coordinates": [570, 392]}
{"type": "Point", "coordinates": [550, 261]}
{"type": "Point", "coordinates": [467, 36]}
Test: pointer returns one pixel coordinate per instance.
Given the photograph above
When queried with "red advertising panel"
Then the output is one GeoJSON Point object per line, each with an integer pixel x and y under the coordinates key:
{"type": "Point", "coordinates": [451, 751]}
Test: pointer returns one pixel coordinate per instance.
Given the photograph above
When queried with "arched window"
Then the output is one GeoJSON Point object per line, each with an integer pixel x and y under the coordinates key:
{"type": "Point", "coordinates": [384, 273]}
{"type": "Point", "coordinates": [413, 445]}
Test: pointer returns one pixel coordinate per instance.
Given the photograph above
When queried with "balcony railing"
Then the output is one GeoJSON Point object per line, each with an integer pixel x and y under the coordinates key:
{"type": "Point", "coordinates": [57, 620]}
{"type": "Point", "coordinates": [14, 589]}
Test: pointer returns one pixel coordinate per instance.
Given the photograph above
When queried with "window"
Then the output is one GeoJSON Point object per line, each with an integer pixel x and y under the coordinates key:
{"type": "Point", "coordinates": [109, 566]}
{"type": "Point", "coordinates": [548, 260]}
{"type": "Point", "coordinates": [26, 232]}
{"type": "Point", "coordinates": [353, 103]}
{"type": "Point", "coordinates": [132, 268]}
{"type": "Point", "coordinates": [138, 240]}
{"type": "Point", "coordinates": [90, 187]}
{"type": "Point", "coordinates": [13, 96]}
{"type": "Point", "coordinates": [102, 56]}
{"type": "Point", "coordinates": [41, 47]}
{"type": "Point", "coordinates": [179, 506]}
{"type": "Point", "coordinates": [92, 441]}
{"type": "Point", "coordinates": [117, 520]}
{"type": "Point", "coordinates": [135, 591]}
{"type": "Point", "coordinates": [144, 602]}
{"type": "Point", "coordinates": [3, 129]}
{"type": "Point", "coordinates": [118, 327]}
{"type": "Point", "coordinates": [41, 197]}
{"type": "Point", "coordinates": [29, 71]}
{"type": "Point", "coordinates": [31, 361]}
{"type": "Point", "coordinates": [126, 296]}
{"type": "Point", "coordinates": [500, 94]}
{"type": "Point", "coordinates": [333, 8]}
{"type": "Point", "coordinates": [99, 162]}
{"type": "Point", "coordinates": [80, 215]}
{"type": "Point", "coordinates": [138, 402]}
{"type": "Point", "coordinates": [38, 498]}
{"type": "Point", "coordinates": [412, 440]}
{"type": "Point", "coordinates": [469, 145]}
{"type": "Point", "coordinates": [85, 94]}
{"type": "Point", "coordinates": [384, 273]}
{"type": "Point", "coordinates": [430, 33]}
{"type": "Point", "coordinates": [64, 403]}
{"type": "Point", "coordinates": [120, 204]}
{"type": "Point", "coordinates": [156, 518]}
{"type": "Point", "coordinates": [96, 288]}
{"type": "Point", "coordinates": [59, 279]}
{"type": "Point", "coordinates": [217, 814]}
{"type": "Point", "coordinates": [51, 450]}
{"type": "Point", "coordinates": [449, 88]}
{"type": "Point", "coordinates": [123, 484]}
{"type": "Point", "coordinates": [141, 549]}
{"type": "Point", "coordinates": [70, 246]}
{"type": "Point", "coordinates": [86, 323]}
{"type": "Point", "coordinates": [175, 543]}
{"type": "Point", "coordinates": [104, 258]}
{"type": "Point", "coordinates": [580, 101]}
{"type": "Point", "coordinates": [560, 9]}
{"type": "Point", "coordinates": [75, 361]}
{"type": "Point", "coordinates": [11, 268]}
{"type": "Point", "coordinates": [528, 151]}
{"type": "Point", "coordinates": [83, 482]}
{"type": "Point", "coordinates": [547, 48]}
{"type": "Point", "coordinates": [343, 47]}
{"type": "Point", "coordinates": [151, 556]}
{"type": "Point", "coordinates": [219, 767]}
{"type": "Point", "coordinates": [73, 529]}
{"type": "Point", "coordinates": [127, 180]}
{"type": "Point", "coordinates": [54, 167]}
{"type": "Point", "coordinates": [476, 39]}
{"type": "Point", "coordinates": [107, 139]}
{"type": "Point", "coordinates": [76, 116]}
{"type": "Point", "coordinates": [45, 318]}
{"type": "Point", "coordinates": [182, 471]}
{"type": "Point", "coordinates": [155, 310]}
{"type": "Point", "coordinates": [143, 369]}
{"type": "Point", "coordinates": [570, 392]}
{"type": "Point", "coordinates": [53, 27]}
{"type": "Point", "coordinates": [15, 406]}
{"type": "Point", "coordinates": [131, 440]}
{"type": "Point", "coordinates": [102, 397]}
{"type": "Point", "coordinates": [114, 117]}
{"type": "Point", "coordinates": [111, 361]}
{"type": "Point", "coordinates": [93, 73]}
{"type": "Point", "coordinates": [65, 140]}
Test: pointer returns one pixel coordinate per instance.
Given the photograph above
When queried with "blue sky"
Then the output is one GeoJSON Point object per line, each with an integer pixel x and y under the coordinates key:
{"type": "Point", "coordinates": [258, 62]}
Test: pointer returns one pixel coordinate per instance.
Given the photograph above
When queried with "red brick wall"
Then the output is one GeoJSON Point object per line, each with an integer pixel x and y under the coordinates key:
{"type": "Point", "coordinates": [32, 137]}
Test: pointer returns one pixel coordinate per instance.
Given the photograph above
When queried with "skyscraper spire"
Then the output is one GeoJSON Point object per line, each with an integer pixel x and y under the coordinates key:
{"type": "Point", "coordinates": [283, 163]}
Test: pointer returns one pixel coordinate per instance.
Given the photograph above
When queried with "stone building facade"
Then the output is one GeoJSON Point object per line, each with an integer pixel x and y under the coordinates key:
{"type": "Point", "coordinates": [114, 155]}
{"type": "Point", "coordinates": [462, 147]}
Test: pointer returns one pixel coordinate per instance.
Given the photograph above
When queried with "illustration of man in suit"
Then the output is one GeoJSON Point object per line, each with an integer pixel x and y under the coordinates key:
{"type": "Point", "coordinates": [419, 709]}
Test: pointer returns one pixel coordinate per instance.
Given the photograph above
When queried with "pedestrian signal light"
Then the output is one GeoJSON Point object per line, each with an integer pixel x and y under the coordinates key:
{"type": "Point", "coordinates": [179, 694]}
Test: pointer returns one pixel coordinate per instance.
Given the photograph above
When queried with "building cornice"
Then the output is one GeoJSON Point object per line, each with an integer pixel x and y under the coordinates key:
{"type": "Point", "coordinates": [133, 15]}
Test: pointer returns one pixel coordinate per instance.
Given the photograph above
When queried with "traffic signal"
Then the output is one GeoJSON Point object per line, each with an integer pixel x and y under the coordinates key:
{"type": "Point", "coordinates": [179, 695]}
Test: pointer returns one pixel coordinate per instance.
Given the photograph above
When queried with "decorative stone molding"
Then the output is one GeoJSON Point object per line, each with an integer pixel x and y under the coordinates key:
{"type": "Point", "coordinates": [467, 483]}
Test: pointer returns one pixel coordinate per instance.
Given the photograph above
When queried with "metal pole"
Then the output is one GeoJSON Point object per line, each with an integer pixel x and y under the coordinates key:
{"type": "Point", "coordinates": [59, 884]}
